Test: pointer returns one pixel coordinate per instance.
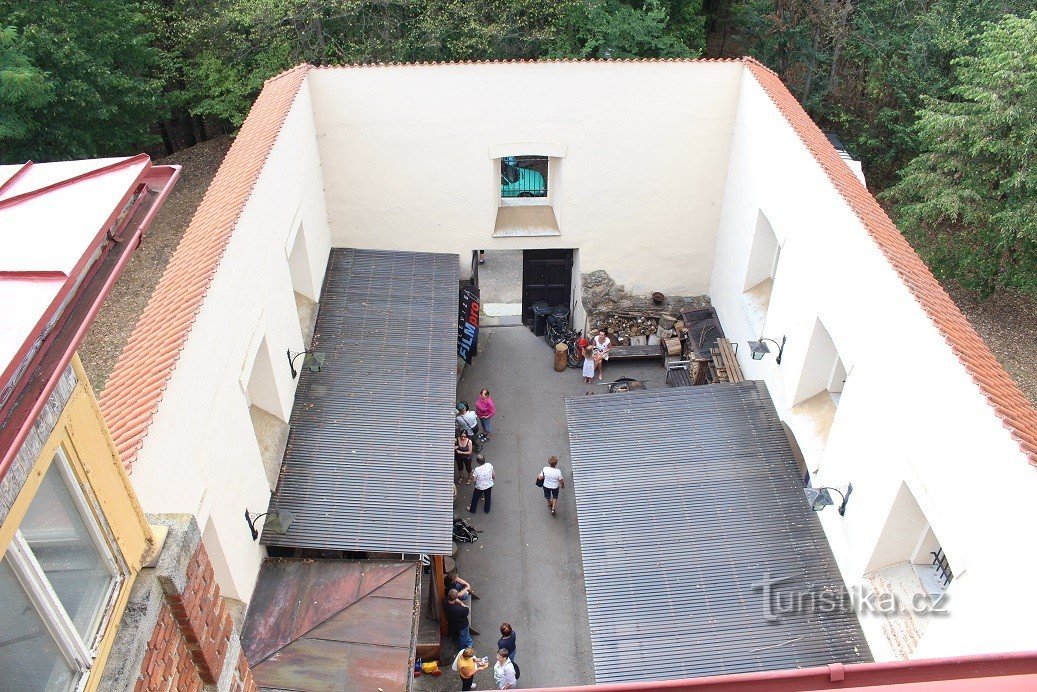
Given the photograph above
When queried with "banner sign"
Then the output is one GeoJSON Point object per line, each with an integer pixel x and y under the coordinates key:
{"type": "Point", "coordinates": [468, 324]}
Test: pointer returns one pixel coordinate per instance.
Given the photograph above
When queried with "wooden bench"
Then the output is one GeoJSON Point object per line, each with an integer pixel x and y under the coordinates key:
{"type": "Point", "coordinates": [725, 362]}
{"type": "Point", "coordinates": [651, 351]}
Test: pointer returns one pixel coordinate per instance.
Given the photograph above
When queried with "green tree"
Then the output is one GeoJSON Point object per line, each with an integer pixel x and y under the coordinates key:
{"type": "Point", "coordinates": [92, 78]}
{"type": "Point", "coordinates": [24, 88]}
{"type": "Point", "coordinates": [968, 201]}
{"type": "Point", "coordinates": [612, 29]}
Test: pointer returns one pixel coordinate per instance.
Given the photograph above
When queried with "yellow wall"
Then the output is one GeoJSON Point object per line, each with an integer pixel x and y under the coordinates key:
{"type": "Point", "coordinates": [83, 435]}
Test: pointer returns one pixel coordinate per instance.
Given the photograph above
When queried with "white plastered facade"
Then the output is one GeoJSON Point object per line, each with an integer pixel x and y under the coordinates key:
{"type": "Point", "coordinates": [908, 412]}
{"type": "Point", "coordinates": [201, 455]}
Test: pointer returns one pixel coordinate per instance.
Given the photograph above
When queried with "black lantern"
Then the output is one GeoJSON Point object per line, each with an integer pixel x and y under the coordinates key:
{"type": "Point", "coordinates": [277, 522]}
{"type": "Point", "coordinates": [819, 498]}
{"type": "Point", "coordinates": [759, 349]}
{"type": "Point", "coordinates": [313, 362]}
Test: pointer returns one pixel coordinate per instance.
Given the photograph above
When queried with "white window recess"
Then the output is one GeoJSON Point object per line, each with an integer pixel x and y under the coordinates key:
{"type": "Point", "coordinates": [526, 182]}
{"type": "Point", "coordinates": [818, 393]}
{"type": "Point", "coordinates": [760, 273]}
{"type": "Point", "coordinates": [299, 268]}
{"type": "Point", "coordinates": [267, 413]}
{"type": "Point", "coordinates": [910, 565]}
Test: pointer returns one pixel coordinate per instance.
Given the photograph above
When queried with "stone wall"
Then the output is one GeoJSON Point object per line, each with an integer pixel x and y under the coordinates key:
{"type": "Point", "coordinates": [602, 295]}
{"type": "Point", "coordinates": [12, 481]}
{"type": "Point", "coordinates": [176, 633]}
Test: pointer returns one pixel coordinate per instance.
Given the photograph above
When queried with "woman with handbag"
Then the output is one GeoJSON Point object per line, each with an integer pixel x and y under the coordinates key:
{"type": "Point", "coordinates": [550, 479]}
{"type": "Point", "coordinates": [467, 665]}
{"type": "Point", "coordinates": [463, 449]}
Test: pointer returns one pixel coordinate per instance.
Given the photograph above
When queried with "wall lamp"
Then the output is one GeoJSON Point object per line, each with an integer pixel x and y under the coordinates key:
{"type": "Point", "coordinates": [313, 362]}
{"type": "Point", "coordinates": [277, 521]}
{"type": "Point", "coordinates": [819, 498]}
{"type": "Point", "coordinates": [760, 349]}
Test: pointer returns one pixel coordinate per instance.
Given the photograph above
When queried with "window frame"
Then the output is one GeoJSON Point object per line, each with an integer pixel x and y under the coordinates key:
{"type": "Point", "coordinates": [80, 653]}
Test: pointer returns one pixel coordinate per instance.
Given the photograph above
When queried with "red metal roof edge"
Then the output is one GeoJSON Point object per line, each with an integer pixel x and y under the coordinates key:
{"type": "Point", "coordinates": [839, 676]}
{"type": "Point", "coordinates": [87, 258]}
{"type": "Point", "coordinates": [65, 182]}
{"type": "Point", "coordinates": [14, 178]}
{"type": "Point", "coordinates": [165, 175]}
{"type": "Point", "coordinates": [137, 383]}
{"type": "Point", "coordinates": [1006, 398]}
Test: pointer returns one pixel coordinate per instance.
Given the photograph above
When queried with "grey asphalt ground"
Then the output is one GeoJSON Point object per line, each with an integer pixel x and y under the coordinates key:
{"type": "Point", "coordinates": [500, 278]}
{"type": "Point", "coordinates": [527, 565]}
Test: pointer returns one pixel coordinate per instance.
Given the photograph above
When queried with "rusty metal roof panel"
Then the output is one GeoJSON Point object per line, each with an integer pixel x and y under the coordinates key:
{"type": "Point", "coordinates": [368, 465]}
{"type": "Point", "coordinates": [688, 500]}
{"type": "Point", "coordinates": [332, 624]}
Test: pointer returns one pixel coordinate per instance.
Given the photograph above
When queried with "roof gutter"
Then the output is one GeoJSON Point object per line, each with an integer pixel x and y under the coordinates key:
{"type": "Point", "coordinates": [161, 178]}
{"type": "Point", "coordinates": [839, 676]}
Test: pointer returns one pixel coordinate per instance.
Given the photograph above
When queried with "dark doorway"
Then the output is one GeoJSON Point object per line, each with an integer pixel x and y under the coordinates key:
{"type": "Point", "coordinates": [546, 276]}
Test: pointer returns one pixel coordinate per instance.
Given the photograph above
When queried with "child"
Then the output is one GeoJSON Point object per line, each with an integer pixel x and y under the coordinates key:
{"type": "Point", "coordinates": [485, 409]}
{"type": "Point", "coordinates": [590, 364]}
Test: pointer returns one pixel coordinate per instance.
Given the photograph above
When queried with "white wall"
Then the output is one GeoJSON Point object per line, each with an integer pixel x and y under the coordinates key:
{"type": "Point", "coordinates": [909, 413]}
{"type": "Point", "coordinates": [200, 455]}
{"type": "Point", "coordinates": [407, 159]}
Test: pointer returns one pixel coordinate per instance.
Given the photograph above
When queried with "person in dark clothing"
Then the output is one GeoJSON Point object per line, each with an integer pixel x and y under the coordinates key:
{"type": "Point", "coordinates": [451, 580]}
{"type": "Point", "coordinates": [508, 640]}
{"type": "Point", "coordinates": [457, 620]}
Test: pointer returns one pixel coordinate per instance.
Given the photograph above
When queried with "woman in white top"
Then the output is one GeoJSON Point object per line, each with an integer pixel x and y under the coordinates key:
{"type": "Point", "coordinates": [602, 345]}
{"type": "Point", "coordinates": [553, 480]}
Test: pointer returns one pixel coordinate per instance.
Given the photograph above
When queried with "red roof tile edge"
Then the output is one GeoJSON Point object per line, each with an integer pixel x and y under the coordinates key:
{"type": "Point", "coordinates": [140, 376]}
{"type": "Point", "coordinates": [1004, 395]}
{"type": "Point", "coordinates": [527, 61]}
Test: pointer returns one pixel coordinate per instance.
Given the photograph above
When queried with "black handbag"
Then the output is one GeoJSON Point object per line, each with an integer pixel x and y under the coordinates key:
{"type": "Point", "coordinates": [540, 481]}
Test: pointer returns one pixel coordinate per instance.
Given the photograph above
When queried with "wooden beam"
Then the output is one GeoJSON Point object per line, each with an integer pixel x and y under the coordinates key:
{"type": "Point", "coordinates": [438, 573]}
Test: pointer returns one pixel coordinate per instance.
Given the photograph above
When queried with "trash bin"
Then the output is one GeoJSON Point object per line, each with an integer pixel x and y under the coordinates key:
{"type": "Point", "coordinates": [560, 316]}
{"type": "Point", "coordinates": [540, 312]}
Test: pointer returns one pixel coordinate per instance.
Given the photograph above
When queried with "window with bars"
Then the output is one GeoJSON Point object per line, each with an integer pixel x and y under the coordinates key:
{"type": "Point", "coordinates": [58, 582]}
{"type": "Point", "coordinates": [523, 176]}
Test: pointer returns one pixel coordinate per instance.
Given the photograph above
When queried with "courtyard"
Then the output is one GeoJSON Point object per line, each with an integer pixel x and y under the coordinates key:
{"type": "Point", "coordinates": [526, 565]}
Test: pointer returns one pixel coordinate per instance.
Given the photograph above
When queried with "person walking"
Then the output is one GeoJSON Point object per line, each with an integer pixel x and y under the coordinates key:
{"type": "Point", "coordinates": [457, 620]}
{"type": "Point", "coordinates": [463, 449]}
{"type": "Point", "coordinates": [590, 365]}
{"type": "Point", "coordinates": [504, 671]}
{"type": "Point", "coordinates": [553, 480]}
{"type": "Point", "coordinates": [483, 475]}
{"type": "Point", "coordinates": [467, 665]}
{"type": "Point", "coordinates": [485, 410]}
{"type": "Point", "coordinates": [508, 640]}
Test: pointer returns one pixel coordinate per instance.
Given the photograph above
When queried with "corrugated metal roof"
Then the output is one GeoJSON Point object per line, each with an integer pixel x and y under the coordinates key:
{"type": "Point", "coordinates": [687, 499]}
{"type": "Point", "coordinates": [369, 462]}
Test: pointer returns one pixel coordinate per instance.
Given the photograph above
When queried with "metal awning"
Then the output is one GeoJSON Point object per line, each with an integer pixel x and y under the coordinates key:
{"type": "Point", "coordinates": [688, 500]}
{"type": "Point", "coordinates": [317, 625]}
{"type": "Point", "coordinates": [369, 461]}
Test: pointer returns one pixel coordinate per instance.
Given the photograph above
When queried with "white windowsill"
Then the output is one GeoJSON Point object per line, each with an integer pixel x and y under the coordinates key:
{"type": "Point", "coordinates": [525, 222]}
{"type": "Point", "coordinates": [811, 422]}
{"type": "Point", "coordinates": [544, 201]}
{"type": "Point", "coordinates": [755, 303]}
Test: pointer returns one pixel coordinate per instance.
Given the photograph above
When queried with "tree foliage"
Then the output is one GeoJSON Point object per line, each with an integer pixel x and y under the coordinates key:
{"type": "Point", "coordinates": [79, 78]}
{"type": "Point", "coordinates": [24, 88]}
{"type": "Point", "coordinates": [969, 199]}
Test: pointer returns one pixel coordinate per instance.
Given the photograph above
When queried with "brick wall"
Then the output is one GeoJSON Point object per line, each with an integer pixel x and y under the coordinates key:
{"type": "Point", "coordinates": [177, 633]}
{"type": "Point", "coordinates": [168, 664]}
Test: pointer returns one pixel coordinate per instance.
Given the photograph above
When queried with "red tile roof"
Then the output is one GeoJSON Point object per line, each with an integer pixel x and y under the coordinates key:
{"type": "Point", "coordinates": [1004, 395]}
{"type": "Point", "coordinates": [138, 381]}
